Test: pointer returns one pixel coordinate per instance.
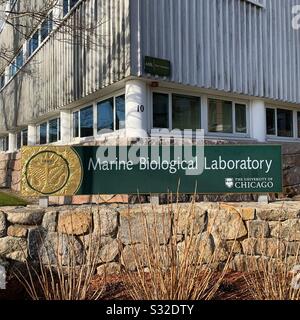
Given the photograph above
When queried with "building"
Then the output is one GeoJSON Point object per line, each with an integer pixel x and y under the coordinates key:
{"type": "Point", "coordinates": [230, 67]}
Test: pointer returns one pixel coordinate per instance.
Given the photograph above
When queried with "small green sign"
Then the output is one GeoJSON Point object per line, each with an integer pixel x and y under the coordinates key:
{"type": "Point", "coordinates": [152, 169]}
{"type": "Point", "coordinates": [157, 67]}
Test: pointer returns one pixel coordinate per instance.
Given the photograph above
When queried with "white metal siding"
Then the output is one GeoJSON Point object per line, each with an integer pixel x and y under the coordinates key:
{"type": "Point", "coordinates": [229, 45]}
{"type": "Point", "coordinates": [62, 72]}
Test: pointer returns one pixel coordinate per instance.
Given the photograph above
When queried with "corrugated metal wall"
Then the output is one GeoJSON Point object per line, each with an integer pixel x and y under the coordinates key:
{"type": "Point", "coordinates": [68, 66]}
{"type": "Point", "coordinates": [230, 45]}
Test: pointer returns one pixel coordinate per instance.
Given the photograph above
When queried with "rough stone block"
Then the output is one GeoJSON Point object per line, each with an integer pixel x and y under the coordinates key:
{"type": "Point", "coordinates": [258, 229]}
{"type": "Point", "coordinates": [2, 224]}
{"type": "Point", "coordinates": [75, 222]}
{"type": "Point", "coordinates": [26, 216]}
{"type": "Point", "coordinates": [14, 248]}
{"type": "Point", "coordinates": [226, 224]}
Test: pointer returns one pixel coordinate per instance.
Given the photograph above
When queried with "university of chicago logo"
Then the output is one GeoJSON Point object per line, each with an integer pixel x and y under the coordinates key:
{"type": "Point", "coordinates": [229, 182]}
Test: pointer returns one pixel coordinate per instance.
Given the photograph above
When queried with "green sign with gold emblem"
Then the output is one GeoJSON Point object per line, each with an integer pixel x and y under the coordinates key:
{"type": "Point", "coordinates": [66, 171]}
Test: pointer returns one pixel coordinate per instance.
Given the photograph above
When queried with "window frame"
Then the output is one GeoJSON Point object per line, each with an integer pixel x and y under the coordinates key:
{"type": "Point", "coordinates": [170, 94]}
{"type": "Point", "coordinates": [5, 139]}
{"type": "Point", "coordinates": [94, 103]}
{"type": "Point", "coordinates": [78, 109]}
{"type": "Point", "coordinates": [114, 98]}
{"type": "Point", "coordinates": [234, 132]}
{"type": "Point", "coordinates": [276, 137]}
{"type": "Point", "coordinates": [48, 131]}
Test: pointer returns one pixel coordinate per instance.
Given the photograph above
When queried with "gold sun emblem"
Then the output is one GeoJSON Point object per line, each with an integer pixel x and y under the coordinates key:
{"type": "Point", "coordinates": [50, 171]}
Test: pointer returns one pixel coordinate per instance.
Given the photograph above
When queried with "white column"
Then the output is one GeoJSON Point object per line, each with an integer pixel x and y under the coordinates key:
{"type": "Point", "coordinates": [136, 109]}
{"type": "Point", "coordinates": [12, 142]}
{"type": "Point", "coordinates": [258, 120]}
{"type": "Point", "coordinates": [66, 126]}
{"type": "Point", "coordinates": [32, 135]}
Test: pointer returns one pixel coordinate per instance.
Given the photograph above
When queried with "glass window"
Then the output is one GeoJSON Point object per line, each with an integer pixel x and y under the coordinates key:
{"type": "Point", "coordinates": [285, 123]}
{"type": "Point", "coordinates": [19, 140]}
{"type": "Point", "coordinates": [240, 118]}
{"type": "Point", "coordinates": [86, 122]}
{"type": "Point", "coordinates": [33, 43]}
{"type": "Point", "coordinates": [2, 81]}
{"type": "Point", "coordinates": [120, 112]}
{"type": "Point", "coordinates": [46, 28]}
{"type": "Point", "coordinates": [72, 3]}
{"type": "Point", "coordinates": [68, 5]}
{"type": "Point", "coordinates": [105, 115]}
{"type": "Point", "coordinates": [271, 122]}
{"type": "Point", "coordinates": [53, 131]}
{"type": "Point", "coordinates": [12, 69]}
{"type": "Point", "coordinates": [65, 7]}
{"type": "Point", "coordinates": [43, 133]}
{"type": "Point", "coordinates": [59, 129]}
{"type": "Point", "coordinates": [4, 143]}
{"type": "Point", "coordinates": [220, 116]}
{"type": "Point", "coordinates": [25, 137]}
{"type": "Point", "coordinates": [186, 112]}
{"type": "Point", "coordinates": [76, 124]}
{"type": "Point", "coordinates": [298, 122]}
{"type": "Point", "coordinates": [161, 110]}
{"type": "Point", "coordinates": [19, 60]}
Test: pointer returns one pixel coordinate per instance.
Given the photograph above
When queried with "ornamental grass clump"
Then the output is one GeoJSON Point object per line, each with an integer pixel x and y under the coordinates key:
{"type": "Point", "coordinates": [63, 270]}
{"type": "Point", "coordinates": [274, 274]}
{"type": "Point", "coordinates": [176, 259]}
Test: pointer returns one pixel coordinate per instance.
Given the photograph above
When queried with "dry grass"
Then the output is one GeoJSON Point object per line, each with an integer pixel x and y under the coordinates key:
{"type": "Point", "coordinates": [166, 270]}
{"type": "Point", "coordinates": [60, 274]}
{"type": "Point", "coordinates": [276, 277]}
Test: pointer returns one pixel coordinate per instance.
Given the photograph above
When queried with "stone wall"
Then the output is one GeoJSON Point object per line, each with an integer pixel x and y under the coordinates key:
{"type": "Point", "coordinates": [10, 171]}
{"type": "Point", "coordinates": [259, 230]}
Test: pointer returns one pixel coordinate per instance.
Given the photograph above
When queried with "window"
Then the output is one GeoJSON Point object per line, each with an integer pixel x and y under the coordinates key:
{"type": "Point", "coordinates": [271, 122]}
{"type": "Point", "coordinates": [186, 112]}
{"type": "Point", "coordinates": [19, 140]}
{"type": "Point", "coordinates": [105, 115]}
{"type": "Point", "coordinates": [2, 81]}
{"type": "Point", "coordinates": [227, 117]}
{"type": "Point", "coordinates": [120, 112]}
{"type": "Point", "coordinates": [68, 5]}
{"type": "Point", "coordinates": [220, 116]}
{"type": "Point", "coordinates": [83, 123]}
{"type": "Point", "coordinates": [86, 122]}
{"type": "Point", "coordinates": [25, 137]}
{"type": "Point", "coordinates": [285, 123]}
{"type": "Point", "coordinates": [54, 130]}
{"type": "Point", "coordinates": [76, 124]}
{"type": "Point", "coordinates": [46, 27]}
{"type": "Point", "coordinates": [240, 118]}
{"type": "Point", "coordinates": [161, 111]}
{"type": "Point", "coordinates": [20, 60]}
{"type": "Point", "coordinates": [33, 43]}
{"type": "Point", "coordinates": [12, 69]}
{"type": "Point", "coordinates": [4, 144]}
{"type": "Point", "coordinates": [22, 139]}
{"type": "Point", "coordinates": [111, 114]}
{"type": "Point", "coordinates": [280, 122]}
{"type": "Point", "coordinates": [50, 131]}
{"type": "Point", "coordinates": [298, 123]}
{"type": "Point", "coordinates": [43, 133]}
